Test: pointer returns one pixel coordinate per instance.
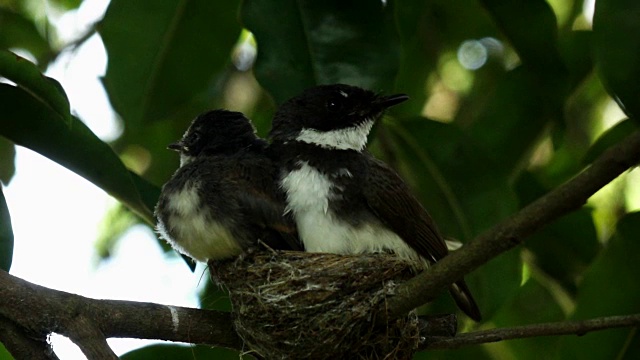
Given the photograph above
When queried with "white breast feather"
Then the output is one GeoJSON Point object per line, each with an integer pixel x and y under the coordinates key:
{"type": "Point", "coordinates": [353, 138]}
{"type": "Point", "coordinates": [196, 233]}
{"type": "Point", "coordinates": [308, 192]}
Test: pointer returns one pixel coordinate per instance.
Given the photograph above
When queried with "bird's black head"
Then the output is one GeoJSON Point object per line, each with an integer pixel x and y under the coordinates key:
{"type": "Point", "coordinates": [216, 131]}
{"type": "Point", "coordinates": [333, 116]}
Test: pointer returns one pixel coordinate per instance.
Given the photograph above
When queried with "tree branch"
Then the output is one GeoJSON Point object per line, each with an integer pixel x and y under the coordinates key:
{"type": "Point", "coordinates": [30, 346]}
{"type": "Point", "coordinates": [88, 322]}
{"type": "Point", "coordinates": [512, 231]}
{"type": "Point", "coordinates": [519, 332]}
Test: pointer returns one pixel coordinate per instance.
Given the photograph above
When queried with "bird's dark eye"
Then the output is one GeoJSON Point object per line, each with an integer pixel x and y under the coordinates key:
{"type": "Point", "coordinates": [194, 137]}
{"type": "Point", "coordinates": [334, 105]}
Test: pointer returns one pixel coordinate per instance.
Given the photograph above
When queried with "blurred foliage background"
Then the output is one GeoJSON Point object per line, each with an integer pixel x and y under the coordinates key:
{"type": "Point", "coordinates": [508, 100]}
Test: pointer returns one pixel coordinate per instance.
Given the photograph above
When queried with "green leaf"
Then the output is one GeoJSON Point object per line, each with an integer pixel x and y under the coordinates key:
{"type": "Point", "coordinates": [7, 160]}
{"type": "Point", "coordinates": [20, 32]}
{"type": "Point", "coordinates": [28, 122]}
{"type": "Point", "coordinates": [418, 57]}
{"type": "Point", "coordinates": [611, 137]}
{"type": "Point", "coordinates": [532, 304]}
{"type": "Point", "coordinates": [476, 352]}
{"type": "Point", "coordinates": [566, 247]}
{"type": "Point", "coordinates": [214, 297]}
{"type": "Point", "coordinates": [616, 26]}
{"type": "Point", "coordinates": [4, 353]}
{"type": "Point", "coordinates": [114, 224]}
{"type": "Point", "coordinates": [165, 56]}
{"type": "Point", "coordinates": [531, 27]}
{"type": "Point", "coordinates": [68, 4]}
{"type": "Point", "coordinates": [457, 185]}
{"type": "Point", "coordinates": [178, 352]}
{"type": "Point", "coordinates": [576, 49]}
{"type": "Point", "coordinates": [6, 234]}
{"type": "Point", "coordinates": [27, 75]}
{"type": "Point", "coordinates": [431, 31]}
{"type": "Point", "coordinates": [302, 43]}
{"type": "Point", "coordinates": [510, 124]}
{"type": "Point", "coordinates": [609, 287]}
{"type": "Point", "coordinates": [458, 176]}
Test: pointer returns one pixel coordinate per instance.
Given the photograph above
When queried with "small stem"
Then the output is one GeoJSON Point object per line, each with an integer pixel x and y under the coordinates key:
{"type": "Point", "coordinates": [579, 328]}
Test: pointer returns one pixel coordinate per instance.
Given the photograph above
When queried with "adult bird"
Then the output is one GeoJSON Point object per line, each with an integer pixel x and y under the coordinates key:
{"type": "Point", "coordinates": [344, 200]}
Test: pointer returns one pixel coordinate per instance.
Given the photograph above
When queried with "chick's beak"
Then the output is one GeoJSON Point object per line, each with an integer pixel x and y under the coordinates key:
{"type": "Point", "coordinates": [176, 146]}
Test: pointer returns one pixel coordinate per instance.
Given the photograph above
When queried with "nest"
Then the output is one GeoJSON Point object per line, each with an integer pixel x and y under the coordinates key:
{"type": "Point", "coordinates": [297, 305]}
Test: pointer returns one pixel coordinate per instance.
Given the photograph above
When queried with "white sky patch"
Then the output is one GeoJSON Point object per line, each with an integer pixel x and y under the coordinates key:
{"type": "Point", "coordinates": [79, 72]}
{"type": "Point", "coordinates": [588, 9]}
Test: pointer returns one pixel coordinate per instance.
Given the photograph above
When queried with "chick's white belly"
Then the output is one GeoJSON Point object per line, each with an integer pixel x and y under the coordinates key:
{"type": "Point", "coordinates": [191, 230]}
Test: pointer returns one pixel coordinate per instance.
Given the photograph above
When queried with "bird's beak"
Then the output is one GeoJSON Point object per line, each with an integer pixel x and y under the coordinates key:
{"type": "Point", "coordinates": [176, 146]}
{"type": "Point", "coordinates": [388, 101]}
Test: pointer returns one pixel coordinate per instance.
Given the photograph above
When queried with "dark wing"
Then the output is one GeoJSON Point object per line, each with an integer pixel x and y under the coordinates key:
{"type": "Point", "coordinates": [390, 199]}
{"type": "Point", "coordinates": [262, 201]}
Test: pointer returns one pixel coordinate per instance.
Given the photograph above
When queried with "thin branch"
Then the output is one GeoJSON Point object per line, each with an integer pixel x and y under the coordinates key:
{"type": "Point", "coordinates": [28, 313]}
{"type": "Point", "coordinates": [512, 231]}
{"type": "Point", "coordinates": [91, 341]}
{"type": "Point", "coordinates": [19, 343]}
{"type": "Point", "coordinates": [578, 328]}
{"type": "Point", "coordinates": [88, 322]}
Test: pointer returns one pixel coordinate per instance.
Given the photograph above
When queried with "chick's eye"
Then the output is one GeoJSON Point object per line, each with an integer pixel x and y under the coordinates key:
{"type": "Point", "coordinates": [333, 105]}
{"type": "Point", "coordinates": [194, 138]}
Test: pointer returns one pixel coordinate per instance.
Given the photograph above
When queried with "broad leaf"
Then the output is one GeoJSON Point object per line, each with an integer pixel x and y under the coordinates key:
{"type": "Point", "coordinates": [458, 176]}
{"type": "Point", "coordinates": [418, 56]}
{"type": "Point", "coordinates": [6, 234]}
{"type": "Point", "coordinates": [165, 56]}
{"type": "Point", "coordinates": [20, 32]}
{"type": "Point", "coordinates": [455, 182]}
{"type": "Point", "coordinates": [117, 220]}
{"type": "Point", "coordinates": [616, 26]}
{"type": "Point", "coordinates": [514, 117]}
{"type": "Point", "coordinates": [611, 137]}
{"type": "Point", "coordinates": [431, 31]}
{"type": "Point", "coordinates": [4, 353]}
{"type": "Point", "coordinates": [533, 32]}
{"type": "Point", "coordinates": [565, 248]}
{"type": "Point", "coordinates": [214, 297]}
{"type": "Point", "coordinates": [477, 352]}
{"type": "Point", "coordinates": [68, 4]}
{"type": "Point", "coordinates": [531, 96]}
{"type": "Point", "coordinates": [302, 43]}
{"type": "Point", "coordinates": [7, 160]}
{"type": "Point", "coordinates": [28, 122]}
{"type": "Point", "coordinates": [532, 304]}
{"type": "Point", "coordinates": [27, 75]}
{"type": "Point", "coordinates": [609, 287]}
{"type": "Point", "coordinates": [576, 50]}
